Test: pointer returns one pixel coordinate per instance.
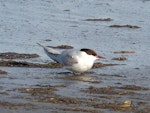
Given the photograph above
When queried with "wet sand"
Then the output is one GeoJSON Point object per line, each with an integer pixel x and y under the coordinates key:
{"type": "Point", "coordinates": [30, 82]}
{"type": "Point", "coordinates": [43, 90]}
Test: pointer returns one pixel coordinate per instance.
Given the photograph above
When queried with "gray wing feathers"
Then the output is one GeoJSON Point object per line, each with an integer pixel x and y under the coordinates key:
{"type": "Point", "coordinates": [53, 54]}
{"type": "Point", "coordinates": [69, 60]}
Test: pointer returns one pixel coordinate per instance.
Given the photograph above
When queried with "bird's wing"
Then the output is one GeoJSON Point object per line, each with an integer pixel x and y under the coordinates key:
{"type": "Point", "coordinates": [69, 58]}
{"type": "Point", "coordinates": [53, 54]}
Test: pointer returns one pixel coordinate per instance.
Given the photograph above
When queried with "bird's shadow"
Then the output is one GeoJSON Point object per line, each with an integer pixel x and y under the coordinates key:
{"type": "Point", "coordinates": [83, 77]}
{"type": "Point", "coordinates": [75, 73]}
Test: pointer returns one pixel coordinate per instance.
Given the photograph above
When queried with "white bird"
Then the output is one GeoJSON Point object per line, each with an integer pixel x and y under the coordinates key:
{"type": "Point", "coordinates": [73, 60]}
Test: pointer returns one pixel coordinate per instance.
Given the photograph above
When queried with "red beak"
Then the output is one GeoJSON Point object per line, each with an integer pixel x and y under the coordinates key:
{"type": "Point", "coordinates": [100, 57]}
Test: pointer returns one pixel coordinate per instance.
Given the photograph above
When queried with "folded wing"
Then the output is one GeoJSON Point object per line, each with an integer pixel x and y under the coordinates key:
{"type": "Point", "coordinates": [69, 58]}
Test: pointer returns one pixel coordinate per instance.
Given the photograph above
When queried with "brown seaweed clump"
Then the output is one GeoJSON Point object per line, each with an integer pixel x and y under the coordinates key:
{"type": "Point", "coordinates": [128, 26]}
{"type": "Point", "coordinates": [61, 47]}
{"type": "Point", "coordinates": [124, 52]}
{"type": "Point", "coordinates": [134, 87]}
{"type": "Point", "coordinates": [99, 65]}
{"type": "Point", "coordinates": [99, 19]}
{"type": "Point", "coordinates": [120, 58]}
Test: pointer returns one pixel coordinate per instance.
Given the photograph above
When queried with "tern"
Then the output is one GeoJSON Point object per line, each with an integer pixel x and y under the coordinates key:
{"type": "Point", "coordinates": [74, 60]}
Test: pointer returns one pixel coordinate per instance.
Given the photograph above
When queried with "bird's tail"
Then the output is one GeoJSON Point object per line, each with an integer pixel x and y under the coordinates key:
{"type": "Point", "coordinates": [53, 54]}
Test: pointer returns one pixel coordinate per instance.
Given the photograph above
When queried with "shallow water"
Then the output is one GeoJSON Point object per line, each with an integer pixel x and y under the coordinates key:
{"type": "Point", "coordinates": [24, 23]}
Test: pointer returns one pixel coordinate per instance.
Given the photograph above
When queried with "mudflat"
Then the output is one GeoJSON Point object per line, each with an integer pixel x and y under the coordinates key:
{"type": "Point", "coordinates": [31, 82]}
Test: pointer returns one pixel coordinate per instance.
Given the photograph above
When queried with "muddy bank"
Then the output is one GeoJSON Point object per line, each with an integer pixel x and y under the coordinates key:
{"type": "Point", "coordinates": [120, 58]}
{"type": "Point", "coordinates": [15, 106]}
{"type": "Point", "coordinates": [12, 55]}
{"type": "Point", "coordinates": [124, 52]}
{"type": "Point", "coordinates": [3, 72]}
{"type": "Point", "coordinates": [99, 19]}
{"type": "Point", "coordinates": [61, 47]}
{"type": "Point", "coordinates": [28, 64]}
{"type": "Point", "coordinates": [127, 26]}
{"type": "Point", "coordinates": [101, 98]}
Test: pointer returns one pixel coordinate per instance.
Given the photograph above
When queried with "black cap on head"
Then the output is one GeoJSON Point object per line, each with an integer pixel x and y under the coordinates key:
{"type": "Point", "coordinates": [89, 51]}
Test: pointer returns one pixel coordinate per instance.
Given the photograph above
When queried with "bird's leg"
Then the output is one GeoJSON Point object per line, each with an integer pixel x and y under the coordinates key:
{"type": "Point", "coordinates": [74, 73]}
{"type": "Point", "coordinates": [78, 74]}
{"type": "Point", "coordinates": [82, 74]}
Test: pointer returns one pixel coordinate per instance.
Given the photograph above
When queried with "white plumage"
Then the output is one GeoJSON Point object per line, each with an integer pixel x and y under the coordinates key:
{"type": "Point", "coordinates": [74, 60]}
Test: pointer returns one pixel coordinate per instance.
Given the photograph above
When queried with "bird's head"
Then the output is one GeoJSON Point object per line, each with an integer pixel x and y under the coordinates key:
{"type": "Point", "coordinates": [92, 52]}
